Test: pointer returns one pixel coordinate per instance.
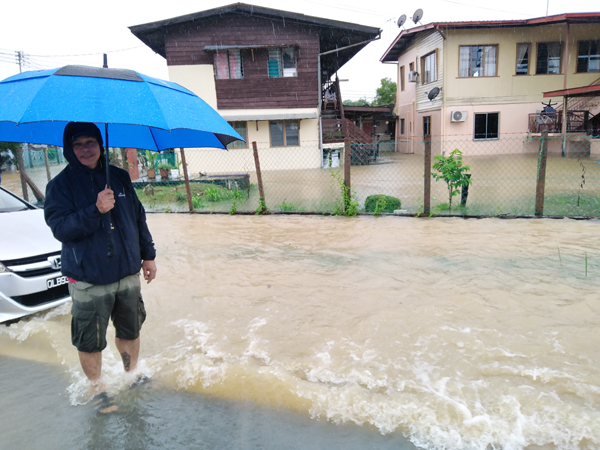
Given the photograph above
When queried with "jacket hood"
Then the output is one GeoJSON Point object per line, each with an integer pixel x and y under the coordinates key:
{"type": "Point", "coordinates": [74, 129]}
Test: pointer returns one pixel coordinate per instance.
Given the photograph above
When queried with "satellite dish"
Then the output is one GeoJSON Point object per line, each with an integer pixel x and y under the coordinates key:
{"type": "Point", "coordinates": [433, 93]}
{"type": "Point", "coordinates": [401, 20]}
{"type": "Point", "coordinates": [417, 16]}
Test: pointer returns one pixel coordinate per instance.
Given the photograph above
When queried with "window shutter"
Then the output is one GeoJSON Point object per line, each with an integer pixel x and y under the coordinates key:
{"type": "Point", "coordinates": [274, 64]}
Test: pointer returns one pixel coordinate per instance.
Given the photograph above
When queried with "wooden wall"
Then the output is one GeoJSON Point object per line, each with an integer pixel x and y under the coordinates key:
{"type": "Point", "coordinates": [185, 46]}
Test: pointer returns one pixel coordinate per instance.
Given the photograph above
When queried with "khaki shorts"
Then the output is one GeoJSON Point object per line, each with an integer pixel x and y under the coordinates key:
{"type": "Point", "coordinates": [94, 305]}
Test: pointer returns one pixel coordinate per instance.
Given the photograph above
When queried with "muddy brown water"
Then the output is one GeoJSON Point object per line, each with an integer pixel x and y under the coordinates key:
{"type": "Point", "coordinates": [332, 332]}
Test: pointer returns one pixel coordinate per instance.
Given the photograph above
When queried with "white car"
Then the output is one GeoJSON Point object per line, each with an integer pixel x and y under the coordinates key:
{"type": "Point", "coordinates": [30, 277]}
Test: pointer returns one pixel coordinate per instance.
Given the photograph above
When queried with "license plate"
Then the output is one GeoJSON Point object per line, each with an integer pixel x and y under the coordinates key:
{"type": "Point", "coordinates": [57, 281]}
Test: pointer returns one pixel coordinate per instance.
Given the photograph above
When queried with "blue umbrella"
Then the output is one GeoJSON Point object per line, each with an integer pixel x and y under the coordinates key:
{"type": "Point", "coordinates": [133, 110]}
{"type": "Point", "coordinates": [137, 110]}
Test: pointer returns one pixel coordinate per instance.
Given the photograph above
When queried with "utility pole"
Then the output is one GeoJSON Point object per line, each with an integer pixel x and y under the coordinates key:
{"type": "Point", "coordinates": [20, 58]}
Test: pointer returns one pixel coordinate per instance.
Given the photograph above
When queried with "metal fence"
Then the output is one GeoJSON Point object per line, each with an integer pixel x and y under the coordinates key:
{"type": "Point", "coordinates": [520, 175]}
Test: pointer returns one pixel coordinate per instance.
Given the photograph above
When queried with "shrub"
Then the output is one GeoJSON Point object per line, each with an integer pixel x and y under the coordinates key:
{"type": "Point", "coordinates": [382, 203]}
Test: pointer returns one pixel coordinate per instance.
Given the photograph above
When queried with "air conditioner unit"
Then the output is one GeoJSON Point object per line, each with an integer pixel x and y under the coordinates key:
{"type": "Point", "coordinates": [413, 76]}
{"type": "Point", "coordinates": [458, 116]}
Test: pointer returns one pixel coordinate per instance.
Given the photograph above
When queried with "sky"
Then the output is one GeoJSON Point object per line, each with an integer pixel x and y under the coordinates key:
{"type": "Point", "coordinates": [60, 32]}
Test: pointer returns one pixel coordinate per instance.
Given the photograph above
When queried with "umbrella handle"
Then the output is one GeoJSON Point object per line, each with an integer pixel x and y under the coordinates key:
{"type": "Point", "coordinates": [111, 241]}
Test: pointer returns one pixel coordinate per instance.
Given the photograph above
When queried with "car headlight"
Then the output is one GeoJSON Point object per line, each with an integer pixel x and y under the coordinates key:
{"type": "Point", "coordinates": [3, 268]}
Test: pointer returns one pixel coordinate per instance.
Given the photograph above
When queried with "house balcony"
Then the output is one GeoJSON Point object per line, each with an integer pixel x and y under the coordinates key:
{"type": "Point", "coordinates": [577, 122]}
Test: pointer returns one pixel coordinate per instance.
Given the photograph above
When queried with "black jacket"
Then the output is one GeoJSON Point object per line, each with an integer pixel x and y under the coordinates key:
{"type": "Point", "coordinates": [71, 213]}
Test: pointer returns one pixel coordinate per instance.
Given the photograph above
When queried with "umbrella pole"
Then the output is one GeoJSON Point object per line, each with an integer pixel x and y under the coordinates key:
{"type": "Point", "coordinates": [111, 242]}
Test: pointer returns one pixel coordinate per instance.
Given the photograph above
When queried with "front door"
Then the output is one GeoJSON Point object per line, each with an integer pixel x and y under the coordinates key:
{"type": "Point", "coordinates": [427, 126]}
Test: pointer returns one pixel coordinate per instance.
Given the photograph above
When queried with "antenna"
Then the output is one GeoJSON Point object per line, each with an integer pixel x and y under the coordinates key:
{"type": "Point", "coordinates": [417, 16]}
{"type": "Point", "coordinates": [401, 20]}
{"type": "Point", "coordinates": [433, 93]}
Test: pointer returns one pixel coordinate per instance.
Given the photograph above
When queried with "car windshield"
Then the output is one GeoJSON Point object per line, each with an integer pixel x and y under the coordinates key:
{"type": "Point", "coordinates": [11, 203]}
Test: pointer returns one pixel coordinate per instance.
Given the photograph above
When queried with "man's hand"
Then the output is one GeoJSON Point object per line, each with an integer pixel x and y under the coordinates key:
{"type": "Point", "coordinates": [106, 200]}
{"type": "Point", "coordinates": [149, 270]}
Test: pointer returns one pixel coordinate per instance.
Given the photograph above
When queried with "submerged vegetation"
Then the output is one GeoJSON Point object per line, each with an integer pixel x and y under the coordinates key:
{"type": "Point", "coordinates": [203, 194]}
{"type": "Point", "coordinates": [378, 204]}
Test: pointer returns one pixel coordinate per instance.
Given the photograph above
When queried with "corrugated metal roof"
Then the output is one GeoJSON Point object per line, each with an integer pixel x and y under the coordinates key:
{"type": "Point", "coordinates": [583, 91]}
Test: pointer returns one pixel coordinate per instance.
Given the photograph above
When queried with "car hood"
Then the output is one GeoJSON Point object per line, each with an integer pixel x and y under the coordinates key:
{"type": "Point", "coordinates": [24, 234]}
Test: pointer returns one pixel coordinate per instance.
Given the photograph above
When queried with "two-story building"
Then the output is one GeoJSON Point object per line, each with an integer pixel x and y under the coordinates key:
{"type": "Point", "coordinates": [478, 82]}
{"type": "Point", "coordinates": [264, 71]}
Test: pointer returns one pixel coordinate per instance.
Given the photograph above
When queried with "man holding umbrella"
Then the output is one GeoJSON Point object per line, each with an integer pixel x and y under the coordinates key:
{"type": "Point", "coordinates": [105, 244]}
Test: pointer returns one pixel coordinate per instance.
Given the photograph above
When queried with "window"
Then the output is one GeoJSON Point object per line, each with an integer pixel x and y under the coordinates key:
{"type": "Point", "coordinates": [282, 62]}
{"type": "Point", "coordinates": [402, 78]}
{"type": "Point", "coordinates": [548, 58]}
{"type": "Point", "coordinates": [478, 61]}
{"type": "Point", "coordinates": [523, 58]}
{"type": "Point", "coordinates": [429, 68]}
{"type": "Point", "coordinates": [242, 129]}
{"type": "Point", "coordinates": [588, 58]}
{"type": "Point", "coordinates": [487, 125]}
{"type": "Point", "coordinates": [401, 126]}
{"type": "Point", "coordinates": [284, 133]}
{"type": "Point", "coordinates": [228, 65]}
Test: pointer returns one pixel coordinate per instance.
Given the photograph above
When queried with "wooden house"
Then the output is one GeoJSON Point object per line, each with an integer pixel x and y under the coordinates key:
{"type": "Point", "coordinates": [264, 70]}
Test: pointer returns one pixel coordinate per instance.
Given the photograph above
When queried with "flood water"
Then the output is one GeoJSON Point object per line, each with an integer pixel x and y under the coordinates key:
{"type": "Point", "coordinates": [306, 332]}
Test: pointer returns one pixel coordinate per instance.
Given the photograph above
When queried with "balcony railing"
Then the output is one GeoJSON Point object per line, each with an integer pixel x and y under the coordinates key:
{"type": "Point", "coordinates": [577, 121]}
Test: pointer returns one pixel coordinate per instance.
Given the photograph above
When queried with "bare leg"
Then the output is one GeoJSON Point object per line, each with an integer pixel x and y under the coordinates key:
{"type": "Point", "coordinates": [129, 351]}
{"type": "Point", "coordinates": [91, 363]}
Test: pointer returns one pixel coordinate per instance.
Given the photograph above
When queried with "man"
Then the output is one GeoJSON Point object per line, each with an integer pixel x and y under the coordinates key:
{"type": "Point", "coordinates": [80, 209]}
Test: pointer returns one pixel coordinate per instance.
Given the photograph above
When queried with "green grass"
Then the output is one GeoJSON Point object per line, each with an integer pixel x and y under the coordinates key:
{"type": "Point", "coordinates": [285, 206]}
{"type": "Point", "coordinates": [572, 204]}
{"type": "Point", "coordinates": [202, 195]}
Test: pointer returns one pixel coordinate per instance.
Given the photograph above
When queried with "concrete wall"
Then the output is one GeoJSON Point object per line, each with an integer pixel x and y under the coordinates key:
{"type": "Point", "coordinates": [200, 80]}
{"type": "Point", "coordinates": [241, 160]}
{"type": "Point", "coordinates": [507, 87]}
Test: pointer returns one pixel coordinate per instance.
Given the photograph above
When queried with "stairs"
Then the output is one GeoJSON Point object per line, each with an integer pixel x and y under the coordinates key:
{"type": "Point", "coordinates": [588, 106]}
{"type": "Point", "coordinates": [336, 129]}
{"type": "Point", "coordinates": [363, 149]}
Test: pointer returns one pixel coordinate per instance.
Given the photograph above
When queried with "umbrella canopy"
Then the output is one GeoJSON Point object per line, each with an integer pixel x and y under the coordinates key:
{"type": "Point", "coordinates": [137, 110]}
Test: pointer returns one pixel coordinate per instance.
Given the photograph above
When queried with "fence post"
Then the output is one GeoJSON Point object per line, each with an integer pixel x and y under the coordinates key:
{"type": "Point", "coordinates": [262, 205]}
{"type": "Point", "coordinates": [347, 164]}
{"type": "Point", "coordinates": [541, 175]}
{"type": "Point", "coordinates": [427, 176]}
{"type": "Point", "coordinates": [47, 162]}
{"type": "Point", "coordinates": [187, 179]}
{"type": "Point", "coordinates": [21, 167]}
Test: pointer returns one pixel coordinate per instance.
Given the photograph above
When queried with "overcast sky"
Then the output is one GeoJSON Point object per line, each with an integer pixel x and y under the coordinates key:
{"type": "Point", "coordinates": [60, 32]}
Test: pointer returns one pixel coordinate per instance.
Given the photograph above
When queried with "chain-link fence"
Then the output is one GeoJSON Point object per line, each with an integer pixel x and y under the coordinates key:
{"type": "Point", "coordinates": [520, 175]}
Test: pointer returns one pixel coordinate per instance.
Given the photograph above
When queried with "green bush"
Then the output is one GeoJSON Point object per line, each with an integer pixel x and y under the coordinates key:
{"type": "Point", "coordinates": [382, 203]}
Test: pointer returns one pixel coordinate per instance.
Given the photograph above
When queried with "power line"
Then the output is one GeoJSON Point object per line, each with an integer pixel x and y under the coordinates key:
{"type": "Point", "coordinates": [89, 54]}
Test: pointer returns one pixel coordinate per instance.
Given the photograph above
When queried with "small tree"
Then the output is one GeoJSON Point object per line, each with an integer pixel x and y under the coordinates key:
{"type": "Point", "coordinates": [8, 150]}
{"type": "Point", "coordinates": [451, 171]}
{"type": "Point", "coordinates": [386, 94]}
{"type": "Point", "coordinates": [360, 102]}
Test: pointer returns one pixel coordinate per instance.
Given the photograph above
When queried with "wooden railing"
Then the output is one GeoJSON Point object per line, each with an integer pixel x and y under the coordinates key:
{"type": "Point", "coordinates": [577, 121]}
{"type": "Point", "coordinates": [364, 150]}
